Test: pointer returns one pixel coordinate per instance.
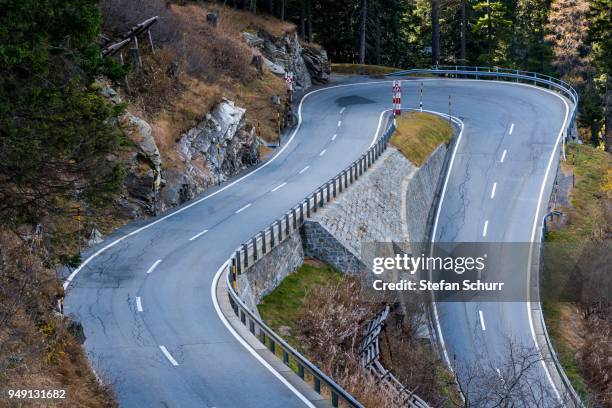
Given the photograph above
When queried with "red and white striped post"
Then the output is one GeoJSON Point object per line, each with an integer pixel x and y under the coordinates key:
{"type": "Point", "coordinates": [397, 99]}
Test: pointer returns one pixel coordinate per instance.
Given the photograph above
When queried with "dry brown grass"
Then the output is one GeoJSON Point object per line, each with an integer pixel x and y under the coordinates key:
{"type": "Point", "coordinates": [36, 349]}
{"type": "Point", "coordinates": [235, 21]}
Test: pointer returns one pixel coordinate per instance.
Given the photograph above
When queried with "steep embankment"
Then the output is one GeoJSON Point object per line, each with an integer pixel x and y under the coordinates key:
{"type": "Point", "coordinates": [201, 113]}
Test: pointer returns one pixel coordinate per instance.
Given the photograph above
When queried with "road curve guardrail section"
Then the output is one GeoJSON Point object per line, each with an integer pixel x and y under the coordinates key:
{"type": "Point", "coordinates": [263, 242]}
{"type": "Point", "coordinates": [531, 78]}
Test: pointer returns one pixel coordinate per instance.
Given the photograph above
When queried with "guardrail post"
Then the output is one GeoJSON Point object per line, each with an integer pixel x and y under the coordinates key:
{"type": "Point", "coordinates": [351, 174]}
{"type": "Point", "coordinates": [334, 399]}
{"type": "Point", "coordinates": [238, 264]}
{"type": "Point", "coordinates": [255, 248]}
{"type": "Point", "coordinates": [280, 230]}
{"type": "Point", "coordinates": [272, 346]}
{"type": "Point", "coordinates": [334, 187]}
{"type": "Point", "coordinates": [317, 385]}
{"type": "Point", "coordinates": [301, 212]}
{"type": "Point", "coordinates": [262, 336]}
{"type": "Point", "coordinates": [314, 201]}
{"type": "Point", "coordinates": [322, 202]}
{"type": "Point", "coordinates": [308, 207]}
{"type": "Point", "coordinates": [294, 218]}
{"type": "Point", "coordinates": [243, 317]}
{"type": "Point", "coordinates": [301, 371]}
{"type": "Point", "coordinates": [327, 191]}
{"type": "Point", "coordinates": [286, 224]}
{"type": "Point", "coordinates": [272, 236]}
{"type": "Point", "coordinates": [263, 242]}
{"type": "Point", "coordinates": [252, 326]}
{"type": "Point", "coordinates": [245, 248]}
{"type": "Point", "coordinates": [285, 357]}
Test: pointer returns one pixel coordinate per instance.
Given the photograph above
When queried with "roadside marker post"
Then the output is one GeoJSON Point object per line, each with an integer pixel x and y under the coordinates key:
{"type": "Point", "coordinates": [421, 98]}
{"type": "Point", "coordinates": [397, 99]}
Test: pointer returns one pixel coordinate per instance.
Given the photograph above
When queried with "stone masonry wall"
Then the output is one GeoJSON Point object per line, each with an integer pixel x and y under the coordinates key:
{"type": "Point", "coordinates": [369, 211]}
{"type": "Point", "coordinates": [268, 272]}
{"type": "Point", "coordinates": [420, 193]}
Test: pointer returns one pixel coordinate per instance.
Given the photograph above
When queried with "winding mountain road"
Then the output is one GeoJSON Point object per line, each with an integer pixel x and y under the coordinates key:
{"type": "Point", "coordinates": [143, 295]}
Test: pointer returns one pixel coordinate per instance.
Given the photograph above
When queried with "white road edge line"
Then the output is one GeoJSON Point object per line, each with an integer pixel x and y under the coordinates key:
{"type": "Point", "coordinates": [536, 219]}
{"type": "Point", "coordinates": [238, 211]}
{"type": "Point", "coordinates": [279, 186]}
{"type": "Point", "coordinates": [322, 152]}
{"type": "Point", "coordinates": [168, 355]}
{"type": "Point", "coordinates": [511, 129]}
{"type": "Point", "coordinates": [482, 324]}
{"type": "Point", "coordinates": [493, 190]}
{"type": "Point", "coordinates": [433, 237]}
{"type": "Point", "coordinates": [154, 266]}
{"type": "Point", "coordinates": [138, 304]}
{"type": "Point", "coordinates": [247, 346]}
{"type": "Point", "coordinates": [198, 235]}
{"type": "Point", "coordinates": [484, 229]}
{"type": "Point", "coordinates": [503, 156]}
{"type": "Point", "coordinates": [334, 136]}
{"type": "Point", "coordinates": [304, 169]}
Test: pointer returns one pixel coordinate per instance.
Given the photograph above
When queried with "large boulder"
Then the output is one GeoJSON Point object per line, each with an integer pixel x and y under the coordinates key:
{"type": "Point", "coordinates": [317, 63]}
{"type": "Point", "coordinates": [286, 54]}
{"type": "Point", "coordinates": [215, 150]}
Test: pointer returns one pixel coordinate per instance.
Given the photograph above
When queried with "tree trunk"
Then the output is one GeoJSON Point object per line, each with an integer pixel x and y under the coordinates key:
{"type": "Point", "coordinates": [435, 32]}
{"type": "Point", "coordinates": [463, 32]}
{"type": "Point", "coordinates": [362, 40]}
{"type": "Point", "coordinates": [309, 16]}
{"type": "Point", "coordinates": [608, 114]}
{"type": "Point", "coordinates": [489, 33]}
{"type": "Point", "coordinates": [378, 34]}
{"type": "Point", "coordinates": [282, 10]}
{"type": "Point", "coordinates": [271, 6]}
{"type": "Point", "coordinates": [302, 19]}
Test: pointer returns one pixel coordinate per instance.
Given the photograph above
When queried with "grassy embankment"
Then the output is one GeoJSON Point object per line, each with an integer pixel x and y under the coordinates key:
{"type": "Point", "coordinates": [586, 220]}
{"type": "Point", "coordinates": [362, 69]}
{"type": "Point", "coordinates": [418, 134]}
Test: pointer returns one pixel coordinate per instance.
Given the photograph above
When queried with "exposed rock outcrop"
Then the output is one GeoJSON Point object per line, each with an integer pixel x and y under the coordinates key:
{"type": "Point", "coordinates": [286, 54]}
{"type": "Point", "coordinates": [216, 149]}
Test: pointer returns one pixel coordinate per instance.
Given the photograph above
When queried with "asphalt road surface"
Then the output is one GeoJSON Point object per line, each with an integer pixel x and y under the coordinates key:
{"type": "Point", "coordinates": [145, 303]}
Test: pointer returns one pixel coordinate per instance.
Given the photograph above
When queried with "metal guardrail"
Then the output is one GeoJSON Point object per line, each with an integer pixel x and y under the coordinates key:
{"type": "Point", "coordinates": [498, 73]}
{"type": "Point", "coordinates": [263, 242]}
{"type": "Point", "coordinates": [369, 351]}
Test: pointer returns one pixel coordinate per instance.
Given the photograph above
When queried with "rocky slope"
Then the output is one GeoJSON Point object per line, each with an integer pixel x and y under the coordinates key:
{"type": "Point", "coordinates": [220, 146]}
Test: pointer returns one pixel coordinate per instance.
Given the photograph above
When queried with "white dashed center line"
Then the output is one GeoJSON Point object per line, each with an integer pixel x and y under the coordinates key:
{"type": "Point", "coordinates": [342, 110]}
{"type": "Point", "coordinates": [198, 235]}
{"type": "Point", "coordinates": [154, 266]}
{"type": "Point", "coordinates": [322, 152]}
{"type": "Point", "coordinates": [277, 187]}
{"type": "Point", "coordinates": [482, 324]}
{"type": "Point", "coordinates": [334, 136]}
{"type": "Point", "coordinates": [503, 157]}
{"type": "Point", "coordinates": [339, 123]}
{"type": "Point", "coordinates": [511, 129]}
{"type": "Point", "coordinates": [243, 208]}
{"type": "Point", "coordinates": [138, 304]}
{"type": "Point", "coordinates": [304, 169]}
{"type": "Point", "coordinates": [493, 189]}
{"type": "Point", "coordinates": [168, 355]}
{"type": "Point", "coordinates": [484, 229]}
